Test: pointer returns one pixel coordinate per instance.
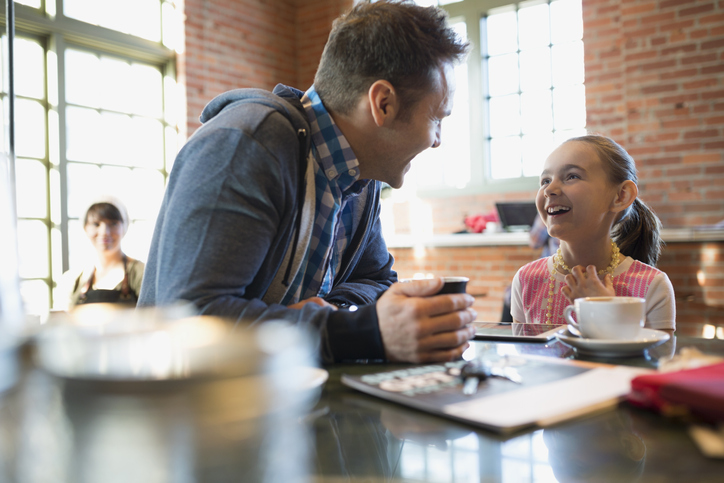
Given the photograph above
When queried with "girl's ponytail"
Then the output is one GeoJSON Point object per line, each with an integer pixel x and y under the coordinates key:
{"type": "Point", "coordinates": [637, 234]}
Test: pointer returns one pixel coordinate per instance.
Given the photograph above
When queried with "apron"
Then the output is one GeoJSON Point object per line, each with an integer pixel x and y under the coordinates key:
{"type": "Point", "coordinates": [125, 295]}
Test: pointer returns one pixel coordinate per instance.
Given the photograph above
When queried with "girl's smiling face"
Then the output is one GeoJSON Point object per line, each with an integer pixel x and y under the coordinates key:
{"type": "Point", "coordinates": [576, 197]}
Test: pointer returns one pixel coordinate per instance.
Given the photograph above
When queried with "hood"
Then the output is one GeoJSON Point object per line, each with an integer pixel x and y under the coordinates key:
{"type": "Point", "coordinates": [236, 96]}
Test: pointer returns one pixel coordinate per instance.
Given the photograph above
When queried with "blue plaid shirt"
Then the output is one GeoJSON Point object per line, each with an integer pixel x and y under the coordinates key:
{"type": "Point", "coordinates": [336, 175]}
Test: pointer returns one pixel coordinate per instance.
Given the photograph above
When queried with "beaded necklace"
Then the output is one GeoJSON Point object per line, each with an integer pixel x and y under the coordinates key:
{"type": "Point", "coordinates": [559, 264]}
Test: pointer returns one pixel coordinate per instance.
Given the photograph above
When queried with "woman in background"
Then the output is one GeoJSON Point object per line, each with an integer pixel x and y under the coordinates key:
{"type": "Point", "coordinates": [114, 277]}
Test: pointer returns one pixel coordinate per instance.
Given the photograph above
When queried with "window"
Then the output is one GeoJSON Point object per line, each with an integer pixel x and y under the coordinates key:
{"type": "Point", "coordinates": [533, 64]}
{"type": "Point", "coordinates": [520, 94]}
{"type": "Point", "coordinates": [94, 112]}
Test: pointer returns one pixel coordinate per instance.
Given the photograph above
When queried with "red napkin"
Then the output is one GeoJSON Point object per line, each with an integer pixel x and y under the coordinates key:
{"type": "Point", "coordinates": [698, 392]}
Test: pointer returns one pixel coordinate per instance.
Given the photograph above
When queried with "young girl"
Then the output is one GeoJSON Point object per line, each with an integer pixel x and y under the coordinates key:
{"type": "Point", "coordinates": [588, 200]}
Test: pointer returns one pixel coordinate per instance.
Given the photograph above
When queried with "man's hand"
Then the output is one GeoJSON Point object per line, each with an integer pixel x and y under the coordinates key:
{"type": "Point", "coordinates": [312, 300]}
{"type": "Point", "coordinates": [417, 326]}
{"type": "Point", "coordinates": [587, 284]}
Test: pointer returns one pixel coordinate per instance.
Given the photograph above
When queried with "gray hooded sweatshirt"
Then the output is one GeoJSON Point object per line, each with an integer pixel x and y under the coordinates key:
{"type": "Point", "coordinates": [236, 220]}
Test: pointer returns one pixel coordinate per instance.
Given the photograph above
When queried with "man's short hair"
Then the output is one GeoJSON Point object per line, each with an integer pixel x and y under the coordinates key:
{"type": "Point", "coordinates": [397, 41]}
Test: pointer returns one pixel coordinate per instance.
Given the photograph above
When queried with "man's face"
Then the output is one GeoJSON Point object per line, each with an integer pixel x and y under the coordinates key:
{"type": "Point", "coordinates": [407, 138]}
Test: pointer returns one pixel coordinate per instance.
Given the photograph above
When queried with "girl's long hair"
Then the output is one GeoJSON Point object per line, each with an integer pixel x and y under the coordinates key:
{"type": "Point", "coordinates": [636, 231]}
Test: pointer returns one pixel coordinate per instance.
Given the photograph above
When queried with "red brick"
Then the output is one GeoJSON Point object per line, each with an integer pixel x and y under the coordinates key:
{"type": "Point", "coordinates": [679, 123]}
{"type": "Point", "coordinates": [705, 133]}
{"type": "Point", "coordinates": [718, 169]}
{"type": "Point", "coordinates": [680, 148]}
{"type": "Point", "coordinates": [712, 44]}
{"type": "Point", "coordinates": [657, 89]}
{"type": "Point", "coordinates": [714, 145]}
{"type": "Point", "coordinates": [703, 158]}
{"type": "Point", "coordinates": [657, 18]}
{"type": "Point", "coordinates": [716, 19]}
{"type": "Point", "coordinates": [678, 73]}
{"type": "Point", "coordinates": [713, 69]}
{"type": "Point", "coordinates": [681, 172]}
{"type": "Point", "coordinates": [700, 83]}
{"type": "Point", "coordinates": [698, 59]}
{"type": "Point", "coordinates": [675, 3]}
{"type": "Point", "coordinates": [679, 49]}
{"type": "Point", "coordinates": [637, 9]}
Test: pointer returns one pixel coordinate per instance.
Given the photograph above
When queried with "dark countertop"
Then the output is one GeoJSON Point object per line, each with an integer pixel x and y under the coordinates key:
{"type": "Point", "coordinates": [215, 430]}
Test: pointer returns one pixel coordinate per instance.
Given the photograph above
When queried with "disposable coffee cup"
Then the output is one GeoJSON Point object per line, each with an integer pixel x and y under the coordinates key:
{"type": "Point", "coordinates": [615, 318]}
{"type": "Point", "coordinates": [454, 285]}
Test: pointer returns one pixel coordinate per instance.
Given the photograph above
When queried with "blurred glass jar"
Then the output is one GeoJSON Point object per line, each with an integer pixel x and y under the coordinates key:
{"type": "Point", "coordinates": [230, 399]}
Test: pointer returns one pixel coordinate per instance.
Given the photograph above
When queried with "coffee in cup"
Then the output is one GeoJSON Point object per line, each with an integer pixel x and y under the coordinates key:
{"type": "Point", "coordinates": [454, 285]}
{"type": "Point", "coordinates": [619, 318]}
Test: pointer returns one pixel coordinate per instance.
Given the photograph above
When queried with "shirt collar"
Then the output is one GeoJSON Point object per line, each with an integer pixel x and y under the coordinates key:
{"type": "Point", "coordinates": [335, 155]}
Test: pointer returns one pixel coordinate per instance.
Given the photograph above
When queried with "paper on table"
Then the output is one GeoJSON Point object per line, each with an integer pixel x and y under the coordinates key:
{"type": "Point", "coordinates": [549, 403]}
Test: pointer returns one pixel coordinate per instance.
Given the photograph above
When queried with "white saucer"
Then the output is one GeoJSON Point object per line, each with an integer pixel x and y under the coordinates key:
{"type": "Point", "coordinates": [611, 347]}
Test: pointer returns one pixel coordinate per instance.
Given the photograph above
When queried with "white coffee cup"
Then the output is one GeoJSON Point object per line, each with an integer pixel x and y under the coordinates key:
{"type": "Point", "coordinates": [619, 318]}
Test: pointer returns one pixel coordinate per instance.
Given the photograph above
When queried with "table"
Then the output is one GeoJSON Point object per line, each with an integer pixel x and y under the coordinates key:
{"type": "Point", "coordinates": [52, 430]}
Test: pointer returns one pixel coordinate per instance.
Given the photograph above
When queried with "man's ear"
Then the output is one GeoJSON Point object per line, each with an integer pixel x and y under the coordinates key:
{"type": "Point", "coordinates": [384, 102]}
{"type": "Point", "coordinates": [626, 195]}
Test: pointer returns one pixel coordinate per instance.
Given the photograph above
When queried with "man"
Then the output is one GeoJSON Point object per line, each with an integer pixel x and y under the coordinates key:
{"type": "Point", "coordinates": [255, 226]}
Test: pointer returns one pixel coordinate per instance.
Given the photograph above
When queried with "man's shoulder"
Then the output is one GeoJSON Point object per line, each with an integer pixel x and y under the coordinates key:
{"type": "Point", "coordinates": [252, 107]}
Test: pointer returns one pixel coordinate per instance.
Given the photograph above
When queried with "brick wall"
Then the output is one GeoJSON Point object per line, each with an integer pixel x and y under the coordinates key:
{"type": "Point", "coordinates": [655, 81]}
{"type": "Point", "coordinates": [251, 43]}
{"type": "Point", "coordinates": [696, 271]}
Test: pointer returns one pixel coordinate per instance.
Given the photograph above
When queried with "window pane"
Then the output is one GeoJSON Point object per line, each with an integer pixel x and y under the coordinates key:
{"type": "Point", "coordinates": [535, 69]}
{"type": "Point", "coordinates": [29, 129]}
{"type": "Point", "coordinates": [29, 3]}
{"type": "Point", "coordinates": [117, 181]}
{"type": "Point", "coordinates": [141, 18]}
{"type": "Point", "coordinates": [534, 26]}
{"type": "Point", "coordinates": [145, 89]}
{"type": "Point", "coordinates": [561, 136]}
{"type": "Point", "coordinates": [569, 107]}
{"type": "Point", "coordinates": [116, 75]}
{"type": "Point", "coordinates": [138, 239]}
{"type": "Point", "coordinates": [82, 81]}
{"type": "Point", "coordinates": [503, 74]}
{"type": "Point", "coordinates": [536, 115]}
{"type": "Point", "coordinates": [506, 113]}
{"type": "Point", "coordinates": [116, 131]}
{"type": "Point", "coordinates": [566, 21]}
{"type": "Point", "coordinates": [33, 249]}
{"type": "Point", "coordinates": [80, 250]}
{"type": "Point", "coordinates": [36, 296]}
{"type": "Point", "coordinates": [568, 64]}
{"type": "Point", "coordinates": [147, 150]}
{"type": "Point", "coordinates": [151, 183]}
{"type": "Point", "coordinates": [32, 188]}
{"type": "Point", "coordinates": [542, 112]}
{"type": "Point", "coordinates": [82, 178]}
{"type": "Point", "coordinates": [536, 148]}
{"type": "Point", "coordinates": [84, 135]}
{"type": "Point", "coordinates": [505, 157]}
{"type": "Point", "coordinates": [29, 69]}
{"type": "Point", "coordinates": [502, 33]}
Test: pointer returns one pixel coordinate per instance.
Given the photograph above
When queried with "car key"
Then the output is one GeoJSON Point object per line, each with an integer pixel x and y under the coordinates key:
{"type": "Point", "coordinates": [475, 371]}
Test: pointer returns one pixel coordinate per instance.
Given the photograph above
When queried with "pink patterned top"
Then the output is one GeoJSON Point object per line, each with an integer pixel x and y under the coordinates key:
{"type": "Point", "coordinates": [529, 297]}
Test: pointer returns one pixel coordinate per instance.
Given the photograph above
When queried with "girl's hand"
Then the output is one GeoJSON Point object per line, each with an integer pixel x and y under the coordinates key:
{"type": "Point", "coordinates": [585, 283]}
